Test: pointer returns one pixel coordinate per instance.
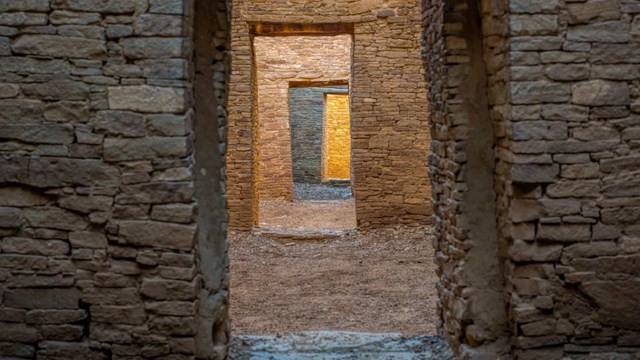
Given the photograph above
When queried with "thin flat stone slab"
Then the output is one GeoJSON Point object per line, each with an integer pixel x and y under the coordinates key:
{"type": "Point", "coordinates": [338, 345]}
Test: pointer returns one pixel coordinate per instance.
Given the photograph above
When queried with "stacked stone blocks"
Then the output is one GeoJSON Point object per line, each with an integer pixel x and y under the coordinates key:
{"type": "Point", "coordinates": [98, 258]}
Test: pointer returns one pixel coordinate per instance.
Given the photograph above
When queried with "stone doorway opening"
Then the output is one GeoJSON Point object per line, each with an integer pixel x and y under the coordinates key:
{"type": "Point", "coordinates": [367, 280]}
{"type": "Point", "coordinates": [303, 133]}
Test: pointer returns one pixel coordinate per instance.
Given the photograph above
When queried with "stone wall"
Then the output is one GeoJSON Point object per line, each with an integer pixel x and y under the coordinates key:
{"type": "Point", "coordinates": [561, 86]}
{"type": "Point", "coordinates": [573, 170]}
{"type": "Point", "coordinates": [389, 126]}
{"type": "Point", "coordinates": [306, 113]}
{"type": "Point", "coordinates": [104, 251]}
{"type": "Point", "coordinates": [280, 61]}
{"type": "Point", "coordinates": [337, 133]}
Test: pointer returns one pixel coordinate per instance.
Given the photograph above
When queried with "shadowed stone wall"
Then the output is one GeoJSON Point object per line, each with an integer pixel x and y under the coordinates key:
{"type": "Point", "coordinates": [390, 135]}
{"type": "Point", "coordinates": [561, 99]}
{"type": "Point", "coordinates": [306, 113]}
{"type": "Point", "coordinates": [104, 251]}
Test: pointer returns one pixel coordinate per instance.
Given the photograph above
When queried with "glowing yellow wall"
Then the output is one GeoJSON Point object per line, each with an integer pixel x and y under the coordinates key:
{"type": "Point", "coordinates": [337, 143]}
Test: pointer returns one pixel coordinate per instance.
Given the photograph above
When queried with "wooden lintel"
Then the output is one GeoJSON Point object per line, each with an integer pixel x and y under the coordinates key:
{"type": "Point", "coordinates": [285, 29]}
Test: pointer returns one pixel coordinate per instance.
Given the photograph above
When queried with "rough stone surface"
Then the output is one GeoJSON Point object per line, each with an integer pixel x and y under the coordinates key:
{"type": "Point", "coordinates": [96, 161]}
{"type": "Point", "coordinates": [566, 69]}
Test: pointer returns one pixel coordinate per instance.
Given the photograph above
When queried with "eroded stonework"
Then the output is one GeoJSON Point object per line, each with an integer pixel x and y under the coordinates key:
{"type": "Point", "coordinates": [104, 251]}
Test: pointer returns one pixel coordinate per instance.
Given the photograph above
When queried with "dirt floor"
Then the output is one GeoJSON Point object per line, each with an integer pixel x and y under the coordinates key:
{"type": "Point", "coordinates": [308, 214]}
{"type": "Point", "coordinates": [379, 281]}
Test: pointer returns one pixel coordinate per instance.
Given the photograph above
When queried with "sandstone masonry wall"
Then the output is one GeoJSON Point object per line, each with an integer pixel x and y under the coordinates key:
{"type": "Point", "coordinates": [281, 60]}
{"type": "Point", "coordinates": [306, 113]}
{"type": "Point", "coordinates": [104, 251]}
{"type": "Point", "coordinates": [389, 126]}
{"type": "Point", "coordinates": [561, 82]}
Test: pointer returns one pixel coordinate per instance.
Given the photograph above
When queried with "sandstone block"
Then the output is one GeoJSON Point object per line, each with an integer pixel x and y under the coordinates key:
{"type": "Point", "coordinates": [630, 245]}
{"type": "Point", "coordinates": [152, 48]}
{"type": "Point", "coordinates": [158, 25]}
{"type": "Point", "coordinates": [24, 5]}
{"type": "Point", "coordinates": [172, 325]}
{"type": "Point", "coordinates": [9, 91]}
{"type": "Point", "coordinates": [42, 298]}
{"type": "Point", "coordinates": [568, 72]}
{"type": "Point", "coordinates": [59, 46]}
{"type": "Point", "coordinates": [117, 149]}
{"type": "Point", "coordinates": [88, 240]}
{"type": "Point", "coordinates": [109, 7]}
{"type": "Point", "coordinates": [165, 69]}
{"type": "Point", "coordinates": [539, 130]}
{"type": "Point", "coordinates": [156, 193]}
{"type": "Point", "coordinates": [604, 53]}
{"type": "Point", "coordinates": [55, 316]}
{"type": "Point", "coordinates": [18, 333]}
{"type": "Point", "coordinates": [533, 24]}
{"type": "Point", "coordinates": [111, 296]}
{"type": "Point", "coordinates": [148, 99]}
{"type": "Point", "coordinates": [565, 112]}
{"type": "Point", "coordinates": [177, 213]}
{"type": "Point", "coordinates": [157, 234]}
{"type": "Point", "coordinates": [602, 10]}
{"type": "Point", "coordinates": [564, 232]}
{"type": "Point", "coordinates": [560, 207]}
{"type": "Point", "coordinates": [124, 123]}
{"type": "Point", "coordinates": [71, 350]}
{"type": "Point", "coordinates": [54, 218]}
{"type": "Point", "coordinates": [23, 262]}
{"type": "Point", "coordinates": [621, 186]}
{"type": "Point", "coordinates": [129, 315]}
{"type": "Point", "coordinates": [86, 204]}
{"type": "Point", "coordinates": [172, 308]}
{"type": "Point", "coordinates": [169, 125]}
{"type": "Point", "coordinates": [525, 251]}
{"type": "Point", "coordinates": [523, 210]}
{"type": "Point", "coordinates": [38, 133]}
{"type": "Point", "coordinates": [60, 17]}
{"type": "Point", "coordinates": [57, 172]}
{"type": "Point", "coordinates": [539, 328]}
{"type": "Point", "coordinates": [175, 7]}
{"type": "Point", "coordinates": [590, 250]}
{"type": "Point", "coordinates": [607, 32]}
{"type": "Point", "coordinates": [168, 289]}
{"type": "Point", "coordinates": [573, 146]}
{"type": "Point", "coordinates": [539, 341]}
{"type": "Point", "coordinates": [618, 310]}
{"type": "Point", "coordinates": [10, 217]}
{"type": "Point", "coordinates": [16, 111]}
{"type": "Point", "coordinates": [67, 112]}
{"type": "Point", "coordinates": [531, 173]}
{"type": "Point", "coordinates": [624, 215]}
{"type": "Point", "coordinates": [533, 6]}
{"type": "Point", "coordinates": [63, 332]}
{"type": "Point", "coordinates": [600, 93]}
{"type": "Point", "coordinates": [14, 245]}
{"type": "Point", "coordinates": [535, 92]}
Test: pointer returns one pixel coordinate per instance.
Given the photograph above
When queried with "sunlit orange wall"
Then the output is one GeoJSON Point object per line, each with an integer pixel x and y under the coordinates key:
{"type": "Point", "coordinates": [337, 131]}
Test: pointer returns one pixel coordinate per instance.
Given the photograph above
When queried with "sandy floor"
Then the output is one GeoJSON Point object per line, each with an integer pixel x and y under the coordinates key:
{"type": "Point", "coordinates": [381, 281]}
{"type": "Point", "coordinates": [308, 214]}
